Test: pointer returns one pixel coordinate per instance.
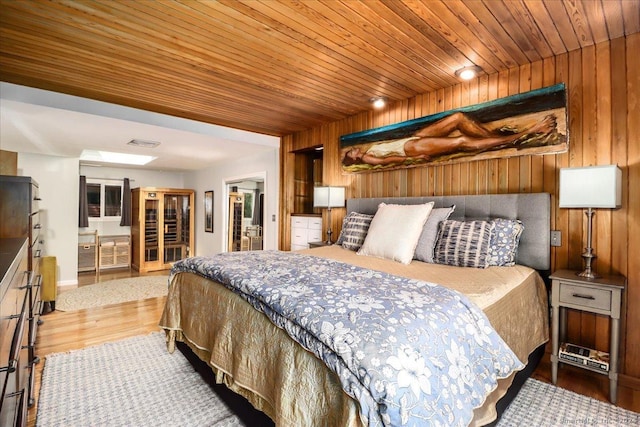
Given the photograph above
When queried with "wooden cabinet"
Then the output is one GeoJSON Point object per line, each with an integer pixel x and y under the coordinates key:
{"type": "Point", "coordinates": [161, 227]}
{"type": "Point", "coordinates": [305, 229]}
{"type": "Point", "coordinates": [114, 251]}
{"type": "Point", "coordinates": [15, 366]}
{"type": "Point", "coordinates": [20, 218]}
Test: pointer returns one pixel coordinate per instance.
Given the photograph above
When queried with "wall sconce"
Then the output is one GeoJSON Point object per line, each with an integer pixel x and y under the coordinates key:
{"type": "Point", "coordinates": [590, 187]}
{"type": "Point", "coordinates": [468, 73]}
{"type": "Point", "coordinates": [328, 197]}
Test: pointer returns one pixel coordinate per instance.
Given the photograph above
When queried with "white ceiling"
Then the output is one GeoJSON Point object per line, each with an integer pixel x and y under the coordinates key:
{"type": "Point", "coordinates": [43, 122]}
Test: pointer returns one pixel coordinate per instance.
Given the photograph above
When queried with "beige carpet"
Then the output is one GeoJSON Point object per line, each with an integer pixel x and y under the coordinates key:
{"type": "Point", "coordinates": [112, 292]}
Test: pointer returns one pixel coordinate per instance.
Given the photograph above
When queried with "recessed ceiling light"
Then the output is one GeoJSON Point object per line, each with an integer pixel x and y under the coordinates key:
{"type": "Point", "coordinates": [143, 143]}
{"type": "Point", "coordinates": [468, 73]}
{"type": "Point", "coordinates": [378, 102]}
{"type": "Point", "coordinates": [110, 157]}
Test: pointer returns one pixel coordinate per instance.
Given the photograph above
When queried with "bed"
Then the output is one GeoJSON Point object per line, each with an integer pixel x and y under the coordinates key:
{"type": "Point", "coordinates": [255, 350]}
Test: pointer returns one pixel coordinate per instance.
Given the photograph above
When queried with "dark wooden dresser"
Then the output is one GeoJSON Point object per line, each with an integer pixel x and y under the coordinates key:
{"type": "Point", "coordinates": [15, 369]}
{"type": "Point", "coordinates": [20, 218]}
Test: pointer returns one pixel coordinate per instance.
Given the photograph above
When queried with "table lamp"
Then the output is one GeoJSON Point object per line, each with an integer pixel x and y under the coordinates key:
{"type": "Point", "coordinates": [328, 197]}
{"type": "Point", "coordinates": [592, 187]}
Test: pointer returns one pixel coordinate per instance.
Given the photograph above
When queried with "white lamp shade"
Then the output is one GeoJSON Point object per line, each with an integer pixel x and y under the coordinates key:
{"type": "Point", "coordinates": [591, 187]}
{"type": "Point", "coordinates": [328, 197]}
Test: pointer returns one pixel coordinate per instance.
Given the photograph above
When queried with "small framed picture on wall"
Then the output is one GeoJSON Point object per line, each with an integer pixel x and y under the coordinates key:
{"type": "Point", "coordinates": [208, 211]}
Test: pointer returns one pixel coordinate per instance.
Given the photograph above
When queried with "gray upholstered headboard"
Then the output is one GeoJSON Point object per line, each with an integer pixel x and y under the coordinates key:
{"type": "Point", "coordinates": [533, 209]}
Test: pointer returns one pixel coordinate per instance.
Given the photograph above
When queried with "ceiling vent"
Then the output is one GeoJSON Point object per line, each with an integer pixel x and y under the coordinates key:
{"type": "Point", "coordinates": [142, 143]}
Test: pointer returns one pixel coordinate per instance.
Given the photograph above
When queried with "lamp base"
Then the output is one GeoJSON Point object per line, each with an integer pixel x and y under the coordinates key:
{"type": "Point", "coordinates": [588, 272]}
{"type": "Point", "coordinates": [328, 241]}
{"type": "Point", "coordinates": [588, 254]}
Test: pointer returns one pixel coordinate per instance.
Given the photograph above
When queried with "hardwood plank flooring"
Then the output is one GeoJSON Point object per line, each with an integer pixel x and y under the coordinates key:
{"type": "Point", "coordinates": [65, 331]}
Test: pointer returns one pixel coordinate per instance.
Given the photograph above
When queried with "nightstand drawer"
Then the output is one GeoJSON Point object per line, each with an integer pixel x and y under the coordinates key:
{"type": "Point", "coordinates": [586, 297]}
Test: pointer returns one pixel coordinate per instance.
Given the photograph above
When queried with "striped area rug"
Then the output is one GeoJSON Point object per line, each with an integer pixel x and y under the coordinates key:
{"type": "Point", "coordinates": [136, 382]}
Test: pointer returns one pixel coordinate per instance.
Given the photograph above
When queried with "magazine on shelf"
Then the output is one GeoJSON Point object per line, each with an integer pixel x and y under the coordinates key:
{"type": "Point", "coordinates": [584, 356]}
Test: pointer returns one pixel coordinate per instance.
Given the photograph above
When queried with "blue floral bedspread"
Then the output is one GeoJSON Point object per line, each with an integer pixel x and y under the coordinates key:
{"type": "Point", "coordinates": [411, 353]}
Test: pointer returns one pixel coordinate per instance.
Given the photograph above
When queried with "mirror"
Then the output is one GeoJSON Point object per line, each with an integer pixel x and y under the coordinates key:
{"type": "Point", "coordinates": [246, 215]}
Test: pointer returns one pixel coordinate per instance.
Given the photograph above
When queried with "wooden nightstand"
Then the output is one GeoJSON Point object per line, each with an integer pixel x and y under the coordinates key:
{"type": "Point", "coordinates": [601, 296]}
{"type": "Point", "coordinates": [319, 244]}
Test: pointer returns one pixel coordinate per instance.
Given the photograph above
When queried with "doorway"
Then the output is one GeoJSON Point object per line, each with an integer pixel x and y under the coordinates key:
{"type": "Point", "coordinates": [245, 219]}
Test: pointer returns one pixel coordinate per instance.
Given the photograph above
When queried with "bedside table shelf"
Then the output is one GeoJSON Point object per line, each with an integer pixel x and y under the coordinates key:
{"type": "Point", "coordinates": [602, 296]}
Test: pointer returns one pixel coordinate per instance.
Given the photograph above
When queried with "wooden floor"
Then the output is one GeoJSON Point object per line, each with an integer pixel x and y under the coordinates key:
{"type": "Point", "coordinates": [65, 331]}
{"type": "Point", "coordinates": [72, 330]}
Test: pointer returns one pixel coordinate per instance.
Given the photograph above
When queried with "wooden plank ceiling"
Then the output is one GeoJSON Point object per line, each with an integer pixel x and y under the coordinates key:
{"type": "Point", "coordinates": [280, 66]}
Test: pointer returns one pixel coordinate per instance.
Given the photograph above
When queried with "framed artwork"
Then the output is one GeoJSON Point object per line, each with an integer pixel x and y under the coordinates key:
{"type": "Point", "coordinates": [208, 211]}
{"type": "Point", "coordinates": [533, 122]}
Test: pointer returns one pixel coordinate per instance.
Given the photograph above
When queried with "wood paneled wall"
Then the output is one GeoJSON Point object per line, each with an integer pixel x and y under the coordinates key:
{"type": "Point", "coordinates": [603, 87]}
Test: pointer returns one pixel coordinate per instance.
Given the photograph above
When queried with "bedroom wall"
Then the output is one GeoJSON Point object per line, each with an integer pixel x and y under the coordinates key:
{"type": "Point", "coordinates": [57, 179]}
{"type": "Point", "coordinates": [604, 99]}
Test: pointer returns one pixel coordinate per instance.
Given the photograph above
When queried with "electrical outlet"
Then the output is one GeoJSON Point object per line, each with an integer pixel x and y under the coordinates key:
{"type": "Point", "coordinates": [556, 238]}
{"type": "Point", "coordinates": [273, 218]}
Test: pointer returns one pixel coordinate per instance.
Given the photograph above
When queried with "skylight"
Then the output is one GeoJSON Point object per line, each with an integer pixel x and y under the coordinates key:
{"type": "Point", "coordinates": [110, 157]}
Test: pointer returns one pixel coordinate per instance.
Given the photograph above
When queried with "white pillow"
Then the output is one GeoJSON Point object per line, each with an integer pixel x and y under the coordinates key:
{"type": "Point", "coordinates": [395, 230]}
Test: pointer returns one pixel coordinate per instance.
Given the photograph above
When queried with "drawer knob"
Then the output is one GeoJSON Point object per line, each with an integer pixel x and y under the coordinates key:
{"type": "Point", "coordinates": [583, 296]}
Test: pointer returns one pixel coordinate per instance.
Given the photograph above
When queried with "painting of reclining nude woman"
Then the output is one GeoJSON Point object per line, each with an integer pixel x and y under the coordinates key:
{"type": "Point", "coordinates": [534, 122]}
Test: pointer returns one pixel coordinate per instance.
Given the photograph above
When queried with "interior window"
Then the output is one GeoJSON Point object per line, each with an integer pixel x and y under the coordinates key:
{"type": "Point", "coordinates": [93, 197]}
{"type": "Point", "coordinates": [112, 200]}
{"type": "Point", "coordinates": [105, 200]}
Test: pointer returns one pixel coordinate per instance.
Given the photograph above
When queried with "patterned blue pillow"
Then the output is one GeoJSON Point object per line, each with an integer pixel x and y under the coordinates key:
{"type": "Point", "coordinates": [463, 243]}
{"type": "Point", "coordinates": [354, 230]}
{"type": "Point", "coordinates": [345, 220]}
{"type": "Point", "coordinates": [504, 241]}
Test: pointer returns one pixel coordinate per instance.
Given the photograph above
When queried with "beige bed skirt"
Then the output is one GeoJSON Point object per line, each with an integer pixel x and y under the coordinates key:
{"type": "Point", "coordinates": [253, 357]}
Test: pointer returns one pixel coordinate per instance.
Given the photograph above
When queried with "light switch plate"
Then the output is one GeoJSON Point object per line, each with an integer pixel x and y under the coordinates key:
{"type": "Point", "coordinates": [556, 238]}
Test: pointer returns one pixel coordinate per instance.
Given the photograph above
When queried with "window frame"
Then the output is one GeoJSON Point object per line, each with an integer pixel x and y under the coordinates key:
{"type": "Point", "coordinates": [103, 184]}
